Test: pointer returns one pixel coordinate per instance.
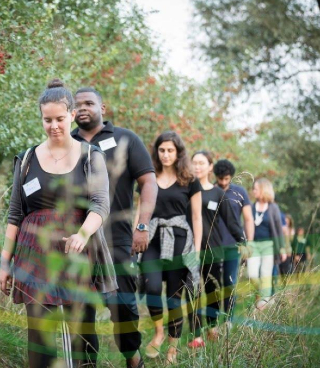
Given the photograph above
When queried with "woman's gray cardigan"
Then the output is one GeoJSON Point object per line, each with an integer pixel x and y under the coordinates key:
{"type": "Point", "coordinates": [276, 231]}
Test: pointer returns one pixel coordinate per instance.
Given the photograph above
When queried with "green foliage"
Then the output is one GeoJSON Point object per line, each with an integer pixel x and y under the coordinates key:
{"type": "Point", "coordinates": [272, 44]}
{"type": "Point", "coordinates": [260, 42]}
{"type": "Point", "coordinates": [296, 152]}
{"type": "Point", "coordinates": [105, 44]}
{"type": "Point", "coordinates": [285, 334]}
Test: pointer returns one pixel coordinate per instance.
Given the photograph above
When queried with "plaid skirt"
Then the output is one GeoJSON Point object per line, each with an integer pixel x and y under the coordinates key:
{"type": "Point", "coordinates": [43, 272]}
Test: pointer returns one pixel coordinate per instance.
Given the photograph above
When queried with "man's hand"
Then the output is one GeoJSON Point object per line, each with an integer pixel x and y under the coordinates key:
{"type": "Point", "coordinates": [75, 243]}
{"type": "Point", "coordinates": [245, 251]}
{"type": "Point", "coordinates": [140, 241]}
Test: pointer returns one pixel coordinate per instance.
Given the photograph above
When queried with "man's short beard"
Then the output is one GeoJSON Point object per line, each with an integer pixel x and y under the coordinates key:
{"type": "Point", "coordinates": [88, 126]}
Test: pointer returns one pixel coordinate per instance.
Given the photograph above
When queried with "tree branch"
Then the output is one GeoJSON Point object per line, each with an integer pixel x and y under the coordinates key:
{"type": "Point", "coordinates": [301, 71]}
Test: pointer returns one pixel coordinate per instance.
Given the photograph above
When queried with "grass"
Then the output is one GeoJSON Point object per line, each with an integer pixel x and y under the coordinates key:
{"type": "Point", "coordinates": [284, 335]}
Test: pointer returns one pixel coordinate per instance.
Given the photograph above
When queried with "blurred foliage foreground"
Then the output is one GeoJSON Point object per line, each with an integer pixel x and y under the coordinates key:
{"type": "Point", "coordinates": [286, 334]}
{"type": "Point", "coordinates": [106, 44]}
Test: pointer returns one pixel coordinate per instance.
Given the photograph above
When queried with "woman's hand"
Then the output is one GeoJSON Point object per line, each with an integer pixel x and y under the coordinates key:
{"type": "Point", "coordinates": [75, 243]}
{"type": "Point", "coordinates": [5, 280]}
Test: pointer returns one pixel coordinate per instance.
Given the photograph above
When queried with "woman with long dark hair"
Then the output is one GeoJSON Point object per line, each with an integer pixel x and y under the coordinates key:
{"type": "Point", "coordinates": [173, 250]}
{"type": "Point", "coordinates": [215, 270]}
{"type": "Point", "coordinates": [59, 201]}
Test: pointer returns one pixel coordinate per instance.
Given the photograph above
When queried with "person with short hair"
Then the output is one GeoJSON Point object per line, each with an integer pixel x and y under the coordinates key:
{"type": "Point", "coordinates": [238, 198]}
{"type": "Point", "coordinates": [269, 244]}
{"type": "Point", "coordinates": [173, 250]}
{"type": "Point", "coordinates": [59, 201]}
{"type": "Point", "coordinates": [128, 161]}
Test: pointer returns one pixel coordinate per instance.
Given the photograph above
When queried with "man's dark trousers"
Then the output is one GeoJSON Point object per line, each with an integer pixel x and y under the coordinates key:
{"type": "Point", "coordinates": [123, 306]}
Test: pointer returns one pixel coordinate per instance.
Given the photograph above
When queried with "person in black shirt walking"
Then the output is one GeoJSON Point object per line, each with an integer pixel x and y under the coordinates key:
{"type": "Point", "coordinates": [214, 206]}
{"type": "Point", "coordinates": [128, 161]}
{"type": "Point", "coordinates": [59, 201]}
{"type": "Point", "coordinates": [171, 252]}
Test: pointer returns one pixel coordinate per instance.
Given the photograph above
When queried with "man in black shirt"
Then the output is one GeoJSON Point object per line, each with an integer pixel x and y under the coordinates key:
{"type": "Point", "coordinates": [128, 161]}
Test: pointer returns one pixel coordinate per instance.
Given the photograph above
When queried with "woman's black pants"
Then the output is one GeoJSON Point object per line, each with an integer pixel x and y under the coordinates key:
{"type": "Point", "coordinates": [155, 271]}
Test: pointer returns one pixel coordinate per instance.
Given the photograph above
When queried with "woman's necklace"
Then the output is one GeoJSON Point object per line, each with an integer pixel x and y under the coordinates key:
{"type": "Point", "coordinates": [258, 218]}
{"type": "Point", "coordinates": [166, 182]}
{"type": "Point", "coordinates": [58, 159]}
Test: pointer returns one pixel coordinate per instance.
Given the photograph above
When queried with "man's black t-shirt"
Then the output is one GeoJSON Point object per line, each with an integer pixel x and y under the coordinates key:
{"type": "Point", "coordinates": [127, 160]}
{"type": "Point", "coordinates": [214, 206]}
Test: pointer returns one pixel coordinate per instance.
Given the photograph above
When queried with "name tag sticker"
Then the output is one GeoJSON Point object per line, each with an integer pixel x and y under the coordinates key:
{"type": "Point", "coordinates": [31, 187]}
{"type": "Point", "coordinates": [107, 144]}
{"type": "Point", "coordinates": [212, 205]}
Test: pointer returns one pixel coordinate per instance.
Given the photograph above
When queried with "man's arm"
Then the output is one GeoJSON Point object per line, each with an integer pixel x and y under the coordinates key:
{"type": "Point", "coordinates": [148, 196]}
{"type": "Point", "coordinates": [248, 222]}
{"type": "Point", "coordinates": [230, 219]}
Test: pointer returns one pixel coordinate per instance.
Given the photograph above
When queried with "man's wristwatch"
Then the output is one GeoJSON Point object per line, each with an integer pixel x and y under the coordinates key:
{"type": "Point", "coordinates": [142, 227]}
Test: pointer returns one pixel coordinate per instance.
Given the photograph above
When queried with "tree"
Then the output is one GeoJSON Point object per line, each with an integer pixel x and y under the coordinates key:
{"type": "Point", "coordinates": [296, 153]}
{"type": "Point", "coordinates": [105, 44]}
{"type": "Point", "coordinates": [260, 42]}
{"type": "Point", "coordinates": [273, 44]}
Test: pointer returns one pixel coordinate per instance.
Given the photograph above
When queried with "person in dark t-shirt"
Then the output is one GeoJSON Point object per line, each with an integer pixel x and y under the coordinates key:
{"type": "Point", "coordinates": [127, 161]}
{"type": "Point", "coordinates": [171, 252]}
{"type": "Point", "coordinates": [238, 198]}
{"type": "Point", "coordinates": [215, 207]}
{"type": "Point", "coordinates": [54, 236]}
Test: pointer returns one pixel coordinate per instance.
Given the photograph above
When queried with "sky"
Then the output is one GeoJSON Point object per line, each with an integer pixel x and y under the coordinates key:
{"type": "Point", "coordinates": [170, 20]}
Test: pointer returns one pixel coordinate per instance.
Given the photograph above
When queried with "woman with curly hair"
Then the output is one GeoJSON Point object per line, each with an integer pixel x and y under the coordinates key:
{"type": "Point", "coordinates": [173, 250]}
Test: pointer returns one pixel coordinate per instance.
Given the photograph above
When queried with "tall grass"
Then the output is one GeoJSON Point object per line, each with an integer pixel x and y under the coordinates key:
{"type": "Point", "coordinates": [286, 334]}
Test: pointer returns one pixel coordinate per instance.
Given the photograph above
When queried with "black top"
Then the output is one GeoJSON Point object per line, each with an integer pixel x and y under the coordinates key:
{"type": "Point", "coordinates": [97, 200]}
{"type": "Point", "coordinates": [63, 191]}
{"type": "Point", "coordinates": [174, 200]}
{"type": "Point", "coordinates": [262, 232]}
{"type": "Point", "coordinates": [238, 197]}
{"type": "Point", "coordinates": [127, 160]}
{"type": "Point", "coordinates": [214, 206]}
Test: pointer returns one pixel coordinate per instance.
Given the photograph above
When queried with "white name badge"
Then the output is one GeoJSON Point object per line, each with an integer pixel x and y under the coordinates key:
{"type": "Point", "coordinates": [107, 144]}
{"type": "Point", "coordinates": [31, 187]}
{"type": "Point", "coordinates": [212, 205]}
